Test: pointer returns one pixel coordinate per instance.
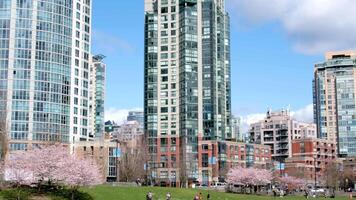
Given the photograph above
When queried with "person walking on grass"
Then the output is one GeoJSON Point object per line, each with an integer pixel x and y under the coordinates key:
{"type": "Point", "coordinates": [168, 196]}
{"type": "Point", "coordinates": [200, 196]}
{"type": "Point", "coordinates": [306, 194]}
{"type": "Point", "coordinates": [149, 196]}
{"type": "Point", "coordinates": [350, 193]}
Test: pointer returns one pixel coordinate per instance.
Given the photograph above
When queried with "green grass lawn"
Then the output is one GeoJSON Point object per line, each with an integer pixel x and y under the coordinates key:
{"type": "Point", "coordinates": [138, 193]}
{"type": "Point", "coordinates": [106, 192]}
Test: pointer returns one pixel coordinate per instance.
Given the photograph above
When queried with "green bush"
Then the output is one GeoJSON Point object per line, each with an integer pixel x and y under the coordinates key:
{"type": "Point", "coordinates": [67, 194]}
{"type": "Point", "coordinates": [58, 193]}
{"type": "Point", "coordinates": [16, 194]}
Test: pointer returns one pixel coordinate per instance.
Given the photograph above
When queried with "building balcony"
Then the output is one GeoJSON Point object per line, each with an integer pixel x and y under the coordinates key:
{"type": "Point", "coordinates": [281, 147]}
{"type": "Point", "coordinates": [188, 2]}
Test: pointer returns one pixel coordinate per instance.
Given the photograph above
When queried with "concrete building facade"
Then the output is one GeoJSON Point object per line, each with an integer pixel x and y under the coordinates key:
{"type": "Point", "coordinates": [103, 152]}
{"type": "Point", "coordinates": [130, 133]}
{"type": "Point", "coordinates": [278, 130]}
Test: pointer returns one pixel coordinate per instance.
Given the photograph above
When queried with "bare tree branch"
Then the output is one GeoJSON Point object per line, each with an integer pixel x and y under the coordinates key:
{"type": "Point", "coordinates": [3, 136]}
{"type": "Point", "coordinates": [133, 160]}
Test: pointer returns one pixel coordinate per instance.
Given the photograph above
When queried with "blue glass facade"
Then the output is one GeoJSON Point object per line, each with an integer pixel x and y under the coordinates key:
{"type": "Point", "coordinates": [5, 13]}
{"type": "Point", "coordinates": [37, 68]}
{"type": "Point", "coordinates": [98, 71]}
{"type": "Point", "coordinates": [334, 102]}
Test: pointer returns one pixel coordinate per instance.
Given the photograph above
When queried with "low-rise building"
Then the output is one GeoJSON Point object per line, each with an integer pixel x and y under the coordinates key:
{"type": "Point", "coordinates": [217, 157]}
{"type": "Point", "coordinates": [103, 152]}
{"type": "Point", "coordinates": [310, 158]}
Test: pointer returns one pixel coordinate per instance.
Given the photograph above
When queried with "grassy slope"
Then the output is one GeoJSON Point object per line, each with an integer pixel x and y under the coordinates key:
{"type": "Point", "coordinates": [133, 193]}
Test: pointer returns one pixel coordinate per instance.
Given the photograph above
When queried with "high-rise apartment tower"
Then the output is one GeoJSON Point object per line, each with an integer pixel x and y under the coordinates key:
{"type": "Point", "coordinates": [187, 84]}
{"type": "Point", "coordinates": [44, 70]}
{"type": "Point", "coordinates": [334, 88]}
{"type": "Point", "coordinates": [97, 96]}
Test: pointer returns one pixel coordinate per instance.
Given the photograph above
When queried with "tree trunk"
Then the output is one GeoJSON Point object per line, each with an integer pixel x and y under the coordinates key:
{"type": "Point", "coordinates": [18, 192]}
{"type": "Point", "coordinates": [73, 195]}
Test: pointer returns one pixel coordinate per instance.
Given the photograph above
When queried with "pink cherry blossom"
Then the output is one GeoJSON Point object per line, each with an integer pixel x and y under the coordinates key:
{"type": "Point", "coordinates": [292, 182]}
{"type": "Point", "coordinates": [52, 164]}
{"type": "Point", "coordinates": [249, 176]}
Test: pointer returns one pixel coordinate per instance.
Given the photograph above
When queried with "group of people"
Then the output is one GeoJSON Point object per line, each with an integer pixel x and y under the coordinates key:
{"type": "Point", "coordinates": [199, 196]}
{"type": "Point", "coordinates": [278, 192]}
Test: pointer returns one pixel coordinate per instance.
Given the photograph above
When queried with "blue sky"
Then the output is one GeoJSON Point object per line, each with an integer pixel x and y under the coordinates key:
{"type": "Point", "coordinates": [274, 47]}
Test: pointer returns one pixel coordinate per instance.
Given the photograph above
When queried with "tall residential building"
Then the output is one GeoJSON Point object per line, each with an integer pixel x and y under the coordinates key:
{"type": "Point", "coordinates": [278, 130]}
{"type": "Point", "coordinates": [236, 131]}
{"type": "Point", "coordinates": [44, 70]}
{"type": "Point", "coordinates": [334, 100]}
{"type": "Point", "coordinates": [187, 83]}
{"type": "Point", "coordinates": [97, 96]}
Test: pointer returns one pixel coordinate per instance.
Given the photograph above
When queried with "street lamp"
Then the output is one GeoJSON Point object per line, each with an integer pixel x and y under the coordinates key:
{"type": "Point", "coordinates": [315, 171]}
{"type": "Point", "coordinates": [117, 160]}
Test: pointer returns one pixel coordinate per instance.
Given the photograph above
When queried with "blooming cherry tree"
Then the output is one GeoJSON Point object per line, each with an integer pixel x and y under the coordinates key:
{"type": "Point", "coordinates": [53, 165]}
{"type": "Point", "coordinates": [48, 163]}
{"type": "Point", "coordinates": [18, 169]}
{"type": "Point", "coordinates": [292, 182]}
{"type": "Point", "coordinates": [249, 176]}
{"type": "Point", "coordinates": [81, 172]}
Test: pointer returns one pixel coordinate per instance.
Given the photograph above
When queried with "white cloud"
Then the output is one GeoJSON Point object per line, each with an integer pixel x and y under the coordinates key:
{"type": "Point", "coordinates": [118, 115]}
{"type": "Point", "coordinates": [304, 114]}
{"type": "Point", "coordinates": [313, 26]}
{"type": "Point", "coordinates": [247, 120]}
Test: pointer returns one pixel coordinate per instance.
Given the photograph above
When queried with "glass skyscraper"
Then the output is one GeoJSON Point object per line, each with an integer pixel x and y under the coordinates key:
{"type": "Point", "coordinates": [97, 96]}
{"type": "Point", "coordinates": [187, 84]}
{"type": "Point", "coordinates": [44, 70]}
{"type": "Point", "coordinates": [334, 101]}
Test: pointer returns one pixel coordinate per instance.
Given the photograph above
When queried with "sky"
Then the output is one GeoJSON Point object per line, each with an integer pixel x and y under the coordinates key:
{"type": "Point", "coordinates": [274, 46]}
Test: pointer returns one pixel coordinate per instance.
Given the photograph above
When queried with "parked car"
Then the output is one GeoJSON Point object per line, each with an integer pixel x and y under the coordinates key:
{"type": "Point", "coordinates": [318, 190]}
{"type": "Point", "coordinates": [218, 185]}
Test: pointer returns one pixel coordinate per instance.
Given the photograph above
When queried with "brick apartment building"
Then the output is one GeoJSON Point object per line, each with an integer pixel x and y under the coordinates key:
{"type": "Point", "coordinates": [310, 156]}
{"type": "Point", "coordinates": [217, 157]}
